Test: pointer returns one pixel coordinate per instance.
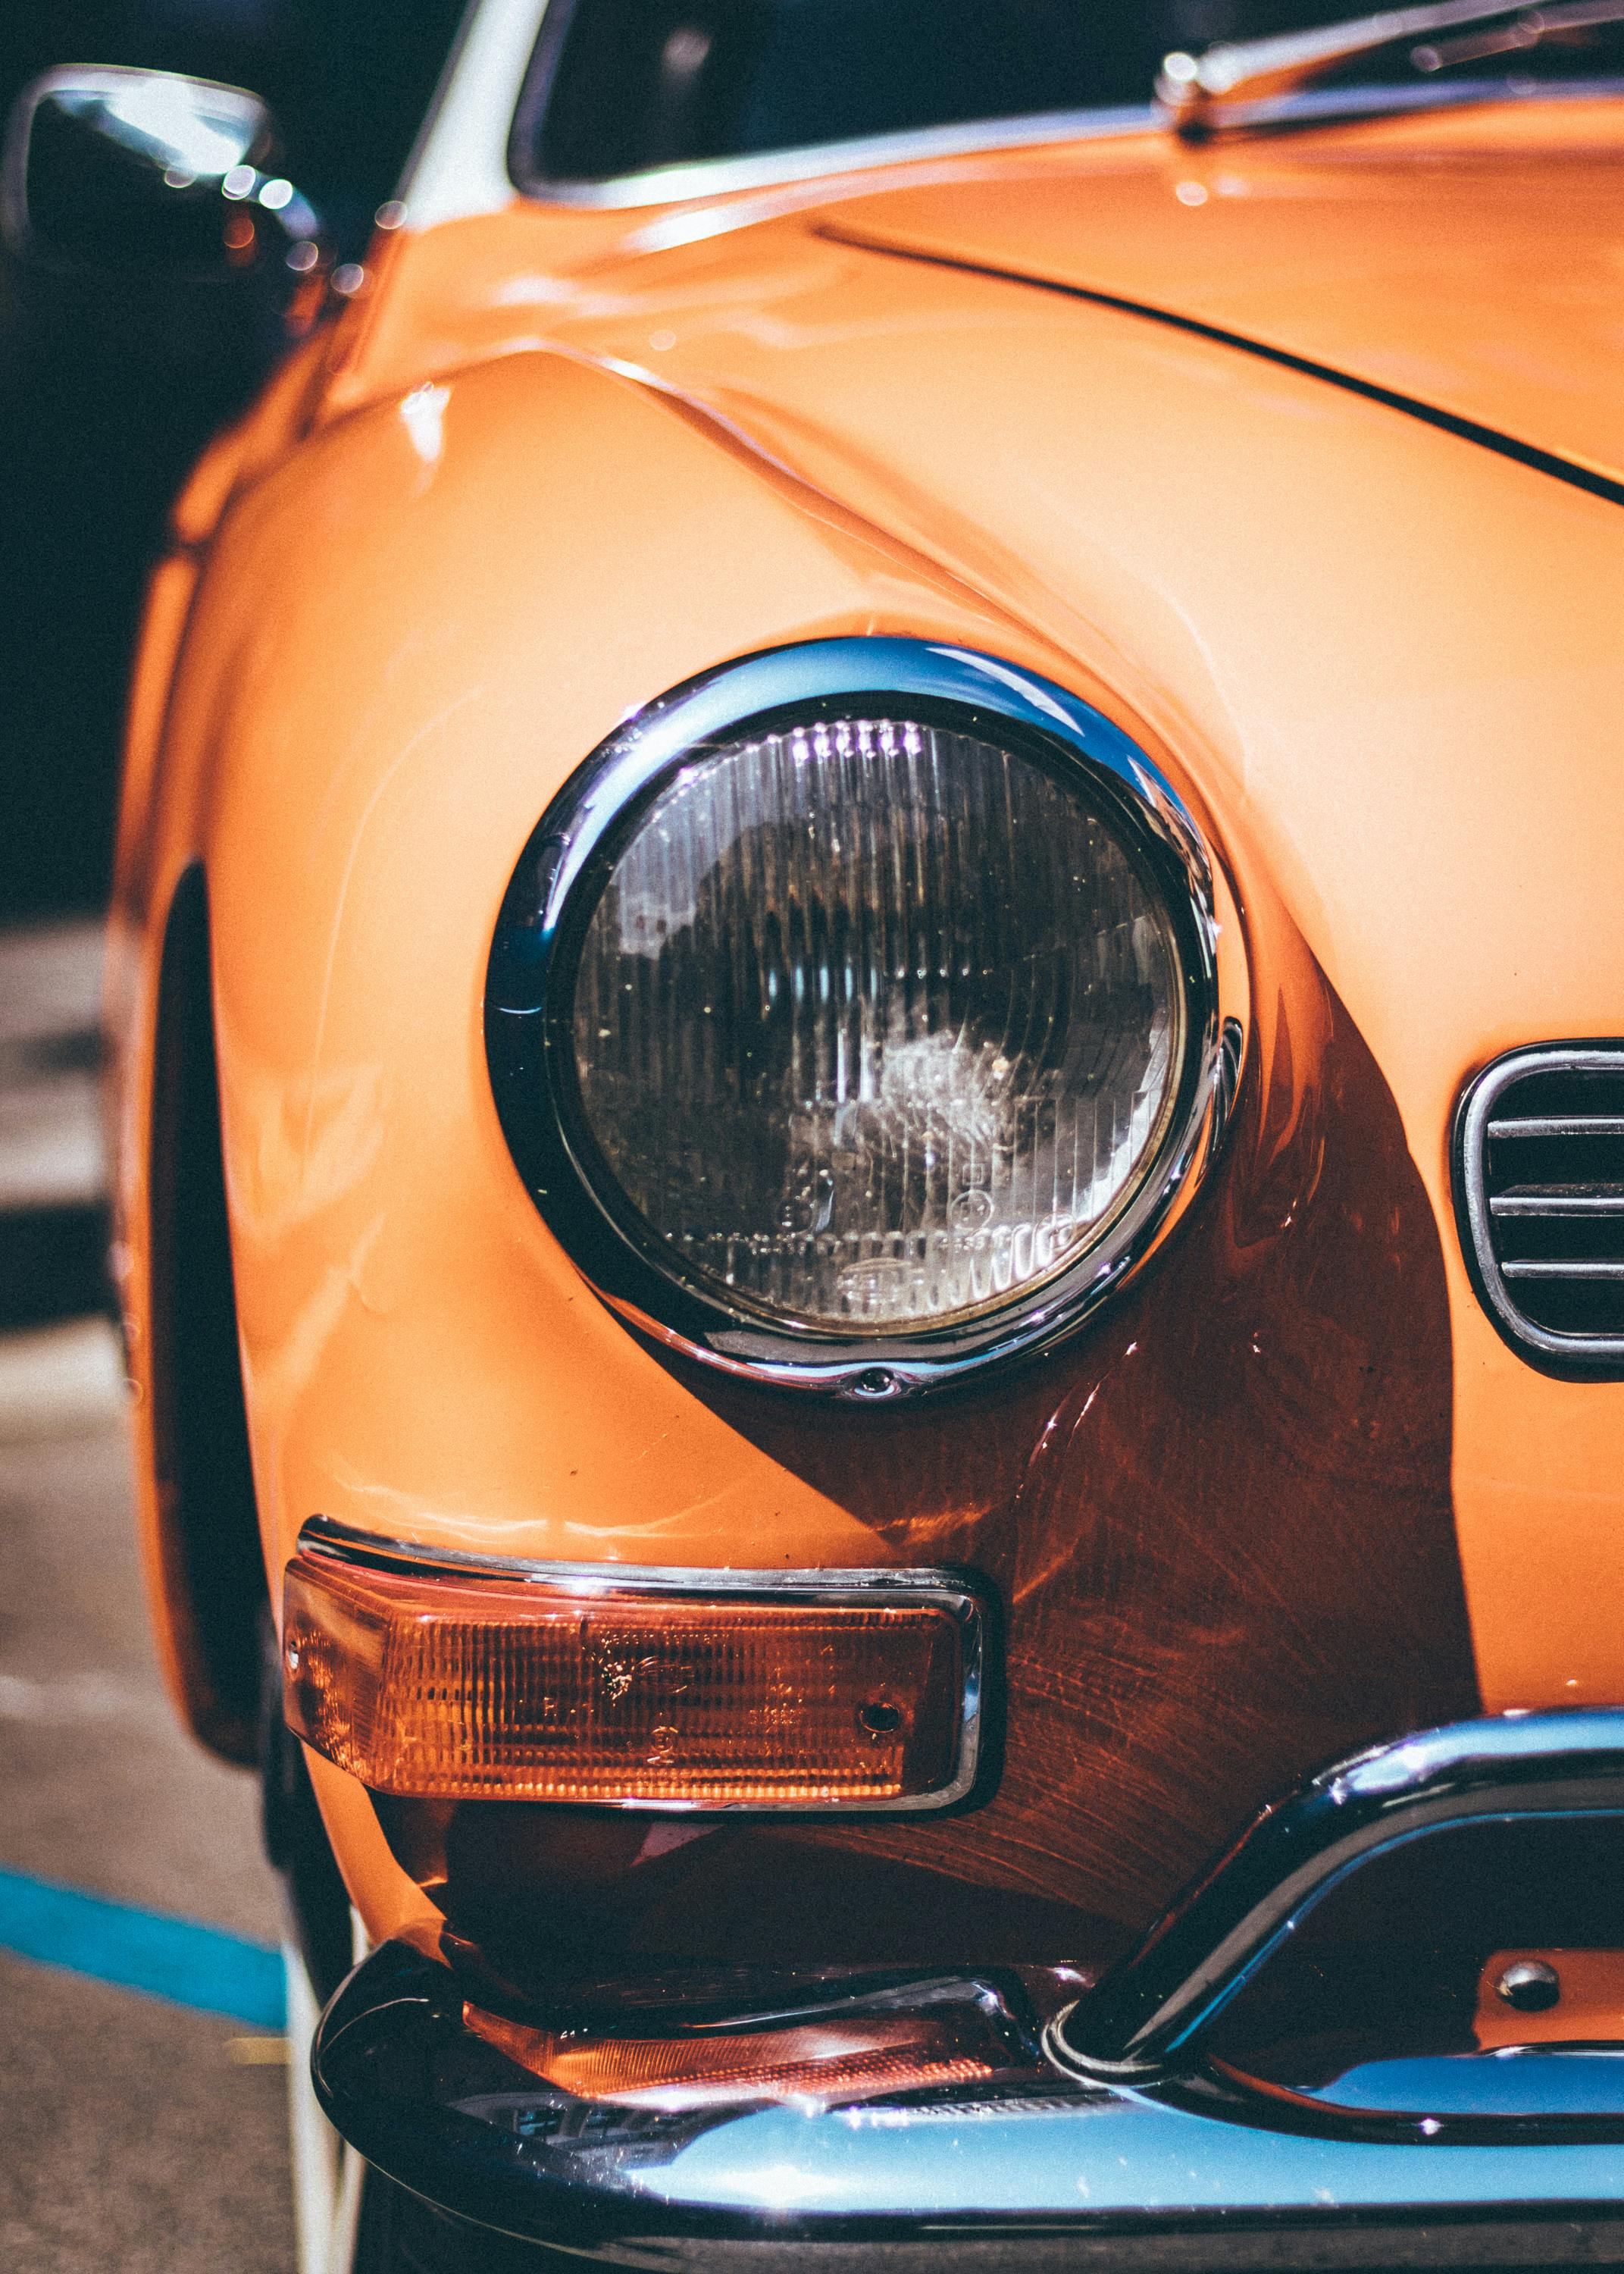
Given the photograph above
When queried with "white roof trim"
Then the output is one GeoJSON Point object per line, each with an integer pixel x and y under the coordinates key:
{"type": "Point", "coordinates": [460, 166]}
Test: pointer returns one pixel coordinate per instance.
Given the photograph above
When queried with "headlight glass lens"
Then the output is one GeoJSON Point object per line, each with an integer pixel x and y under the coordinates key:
{"type": "Point", "coordinates": [875, 1024]}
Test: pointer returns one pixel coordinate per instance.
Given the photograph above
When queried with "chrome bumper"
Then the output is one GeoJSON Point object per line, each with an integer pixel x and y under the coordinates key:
{"type": "Point", "coordinates": [1099, 2132]}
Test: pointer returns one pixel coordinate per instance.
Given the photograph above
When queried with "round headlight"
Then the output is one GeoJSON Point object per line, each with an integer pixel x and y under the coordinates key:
{"type": "Point", "coordinates": [874, 1024]}
{"type": "Point", "coordinates": [838, 1033]}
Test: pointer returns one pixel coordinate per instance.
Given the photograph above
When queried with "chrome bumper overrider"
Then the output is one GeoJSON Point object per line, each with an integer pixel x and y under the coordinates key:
{"type": "Point", "coordinates": [1100, 2131]}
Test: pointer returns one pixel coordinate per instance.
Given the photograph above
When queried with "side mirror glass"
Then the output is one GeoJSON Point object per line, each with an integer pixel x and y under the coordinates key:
{"type": "Point", "coordinates": [112, 172]}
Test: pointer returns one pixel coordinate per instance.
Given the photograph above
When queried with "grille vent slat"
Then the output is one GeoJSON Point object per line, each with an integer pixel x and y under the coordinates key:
{"type": "Point", "coordinates": [1560, 1125]}
{"type": "Point", "coordinates": [1557, 1204]}
{"type": "Point", "coordinates": [1537, 1269]}
{"type": "Point", "coordinates": [1540, 1181]}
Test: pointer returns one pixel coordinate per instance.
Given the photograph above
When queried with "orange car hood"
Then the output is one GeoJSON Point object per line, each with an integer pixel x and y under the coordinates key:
{"type": "Point", "coordinates": [1472, 262]}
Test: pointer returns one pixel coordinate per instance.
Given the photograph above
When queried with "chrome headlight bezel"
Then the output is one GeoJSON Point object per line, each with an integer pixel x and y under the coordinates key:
{"type": "Point", "coordinates": [528, 1001]}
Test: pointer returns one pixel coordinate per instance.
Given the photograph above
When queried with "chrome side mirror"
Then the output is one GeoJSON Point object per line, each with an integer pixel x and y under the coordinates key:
{"type": "Point", "coordinates": [112, 172]}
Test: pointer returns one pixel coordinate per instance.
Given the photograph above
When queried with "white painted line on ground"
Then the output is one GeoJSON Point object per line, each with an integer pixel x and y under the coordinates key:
{"type": "Point", "coordinates": [50, 981]}
{"type": "Point", "coordinates": [60, 1379]}
{"type": "Point", "coordinates": [51, 1150]}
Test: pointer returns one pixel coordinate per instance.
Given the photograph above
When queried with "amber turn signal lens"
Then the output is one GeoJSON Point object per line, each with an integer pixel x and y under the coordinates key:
{"type": "Point", "coordinates": [447, 1687]}
{"type": "Point", "coordinates": [817, 2061]}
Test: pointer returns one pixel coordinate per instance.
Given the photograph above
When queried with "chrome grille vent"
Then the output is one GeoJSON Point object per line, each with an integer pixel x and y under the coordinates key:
{"type": "Point", "coordinates": [1539, 1182]}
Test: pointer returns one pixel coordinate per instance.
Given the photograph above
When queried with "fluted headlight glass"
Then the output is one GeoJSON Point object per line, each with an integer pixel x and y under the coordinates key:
{"type": "Point", "coordinates": [875, 1024]}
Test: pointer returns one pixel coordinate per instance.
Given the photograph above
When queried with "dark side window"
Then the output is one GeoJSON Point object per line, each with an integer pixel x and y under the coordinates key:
{"type": "Point", "coordinates": [621, 86]}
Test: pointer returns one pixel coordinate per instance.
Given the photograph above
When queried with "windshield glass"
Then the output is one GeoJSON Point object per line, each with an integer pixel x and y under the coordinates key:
{"type": "Point", "coordinates": [619, 87]}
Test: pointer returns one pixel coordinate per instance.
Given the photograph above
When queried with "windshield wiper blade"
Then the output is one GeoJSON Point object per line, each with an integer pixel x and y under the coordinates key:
{"type": "Point", "coordinates": [1196, 91]}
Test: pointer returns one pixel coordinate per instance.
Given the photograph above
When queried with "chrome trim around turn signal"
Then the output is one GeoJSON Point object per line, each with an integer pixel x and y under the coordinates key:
{"type": "Point", "coordinates": [592, 1592]}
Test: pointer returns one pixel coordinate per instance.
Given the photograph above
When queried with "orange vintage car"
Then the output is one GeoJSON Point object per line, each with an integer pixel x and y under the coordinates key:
{"type": "Point", "coordinates": [868, 971]}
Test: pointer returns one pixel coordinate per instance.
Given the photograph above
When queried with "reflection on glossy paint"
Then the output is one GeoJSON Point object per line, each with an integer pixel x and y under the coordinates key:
{"type": "Point", "coordinates": [422, 415]}
{"type": "Point", "coordinates": [810, 2065]}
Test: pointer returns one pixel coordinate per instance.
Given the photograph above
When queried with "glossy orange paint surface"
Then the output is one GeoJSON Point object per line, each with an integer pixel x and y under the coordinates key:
{"type": "Point", "coordinates": [1475, 269]}
{"type": "Point", "coordinates": [560, 462]}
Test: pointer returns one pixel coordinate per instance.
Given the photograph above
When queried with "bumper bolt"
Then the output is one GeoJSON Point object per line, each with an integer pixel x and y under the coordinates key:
{"type": "Point", "coordinates": [1531, 1986]}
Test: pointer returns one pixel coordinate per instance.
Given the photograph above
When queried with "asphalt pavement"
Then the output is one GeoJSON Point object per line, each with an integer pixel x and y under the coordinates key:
{"type": "Point", "coordinates": [137, 2136]}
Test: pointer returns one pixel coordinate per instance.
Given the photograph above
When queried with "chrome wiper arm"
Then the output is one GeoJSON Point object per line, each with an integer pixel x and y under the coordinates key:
{"type": "Point", "coordinates": [1194, 89]}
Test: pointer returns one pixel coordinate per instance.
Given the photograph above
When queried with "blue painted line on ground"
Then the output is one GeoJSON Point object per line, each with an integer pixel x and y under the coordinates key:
{"type": "Point", "coordinates": [179, 1959]}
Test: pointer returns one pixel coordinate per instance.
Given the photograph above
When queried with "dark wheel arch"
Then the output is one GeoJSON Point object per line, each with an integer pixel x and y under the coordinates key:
{"type": "Point", "coordinates": [203, 1473]}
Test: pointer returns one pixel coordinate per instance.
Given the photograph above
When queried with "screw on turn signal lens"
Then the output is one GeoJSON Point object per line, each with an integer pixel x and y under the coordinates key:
{"type": "Point", "coordinates": [447, 1687]}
